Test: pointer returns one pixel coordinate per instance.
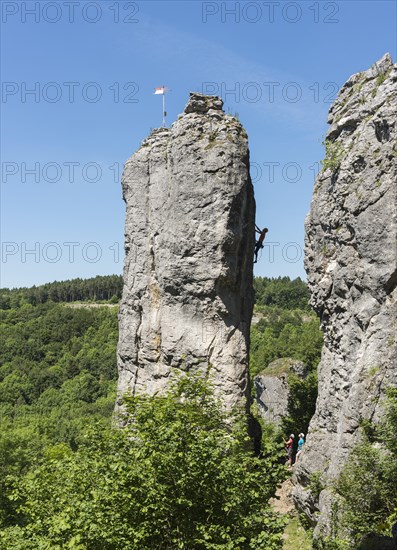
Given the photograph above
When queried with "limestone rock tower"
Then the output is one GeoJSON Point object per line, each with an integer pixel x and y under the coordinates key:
{"type": "Point", "coordinates": [189, 238]}
{"type": "Point", "coordinates": [351, 264]}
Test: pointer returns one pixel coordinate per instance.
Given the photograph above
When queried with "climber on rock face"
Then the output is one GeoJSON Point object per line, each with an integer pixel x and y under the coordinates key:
{"type": "Point", "coordinates": [259, 242]}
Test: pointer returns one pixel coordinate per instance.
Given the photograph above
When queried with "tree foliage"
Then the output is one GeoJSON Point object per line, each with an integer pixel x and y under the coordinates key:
{"type": "Point", "coordinates": [57, 375]}
{"type": "Point", "coordinates": [301, 402]}
{"type": "Point", "coordinates": [180, 475]}
{"type": "Point", "coordinates": [186, 479]}
{"type": "Point", "coordinates": [282, 292]}
{"type": "Point", "coordinates": [293, 333]}
{"type": "Point", "coordinates": [108, 287]}
{"type": "Point", "coordinates": [285, 333]}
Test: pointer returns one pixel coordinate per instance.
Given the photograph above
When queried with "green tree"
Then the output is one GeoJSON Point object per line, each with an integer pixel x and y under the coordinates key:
{"type": "Point", "coordinates": [282, 292]}
{"type": "Point", "coordinates": [281, 333]}
{"type": "Point", "coordinates": [301, 402]}
{"type": "Point", "coordinates": [180, 475]}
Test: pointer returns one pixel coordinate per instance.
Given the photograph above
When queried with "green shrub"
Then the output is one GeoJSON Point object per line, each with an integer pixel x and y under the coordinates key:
{"type": "Point", "coordinates": [316, 484]}
{"type": "Point", "coordinates": [381, 78]}
{"type": "Point", "coordinates": [301, 402]}
{"type": "Point", "coordinates": [178, 476]}
{"type": "Point", "coordinates": [334, 154]}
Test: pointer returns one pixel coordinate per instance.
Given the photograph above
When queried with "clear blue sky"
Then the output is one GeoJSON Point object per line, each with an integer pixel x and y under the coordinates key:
{"type": "Point", "coordinates": [284, 61]}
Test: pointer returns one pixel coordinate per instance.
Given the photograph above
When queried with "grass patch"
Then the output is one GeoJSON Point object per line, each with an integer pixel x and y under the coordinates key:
{"type": "Point", "coordinates": [381, 78]}
{"type": "Point", "coordinates": [372, 371]}
{"type": "Point", "coordinates": [295, 536]}
{"type": "Point", "coordinates": [334, 154]}
{"type": "Point", "coordinates": [328, 251]}
{"type": "Point", "coordinates": [281, 366]}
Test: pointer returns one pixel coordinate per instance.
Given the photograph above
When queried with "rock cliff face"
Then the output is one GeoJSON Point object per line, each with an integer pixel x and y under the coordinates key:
{"type": "Point", "coordinates": [272, 387]}
{"type": "Point", "coordinates": [189, 239]}
{"type": "Point", "coordinates": [351, 259]}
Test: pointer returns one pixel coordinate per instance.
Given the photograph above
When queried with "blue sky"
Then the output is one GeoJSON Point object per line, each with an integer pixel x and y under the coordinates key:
{"type": "Point", "coordinates": [93, 66]}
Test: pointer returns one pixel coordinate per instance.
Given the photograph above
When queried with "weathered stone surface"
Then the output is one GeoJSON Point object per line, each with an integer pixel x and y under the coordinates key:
{"type": "Point", "coordinates": [272, 389]}
{"type": "Point", "coordinates": [189, 239]}
{"type": "Point", "coordinates": [351, 260]}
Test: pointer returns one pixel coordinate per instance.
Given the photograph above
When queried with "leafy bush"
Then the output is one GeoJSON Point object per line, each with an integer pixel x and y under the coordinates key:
{"type": "Point", "coordinates": [381, 78]}
{"type": "Point", "coordinates": [301, 402]}
{"type": "Point", "coordinates": [178, 476]}
{"type": "Point", "coordinates": [367, 483]}
{"type": "Point", "coordinates": [330, 543]}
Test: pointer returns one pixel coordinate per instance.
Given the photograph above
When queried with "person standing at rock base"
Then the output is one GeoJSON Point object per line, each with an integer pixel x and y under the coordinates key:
{"type": "Point", "coordinates": [289, 447]}
{"type": "Point", "coordinates": [301, 442]}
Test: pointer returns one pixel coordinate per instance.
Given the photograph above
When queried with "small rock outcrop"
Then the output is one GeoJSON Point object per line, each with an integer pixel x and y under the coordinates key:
{"type": "Point", "coordinates": [272, 388]}
{"type": "Point", "coordinates": [351, 263]}
{"type": "Point", "coordinates": [189, 238]}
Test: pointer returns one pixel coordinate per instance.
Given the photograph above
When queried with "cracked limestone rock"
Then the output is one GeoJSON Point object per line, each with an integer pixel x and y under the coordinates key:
{"type": "Point", "coordinates": [272, 387]}
{"type": "Point", "coordinates": [351, 264]}
{"type": "Point", "coordinates": [189, 238]}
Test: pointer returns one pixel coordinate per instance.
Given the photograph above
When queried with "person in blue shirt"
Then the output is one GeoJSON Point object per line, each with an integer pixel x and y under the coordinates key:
{"type": "Point", "coordinates": [301, 442]}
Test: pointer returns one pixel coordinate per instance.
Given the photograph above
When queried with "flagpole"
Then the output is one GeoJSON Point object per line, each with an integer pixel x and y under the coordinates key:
{"type": "Point", "coordinates": [164, 110]}
{"type": "Point", "coordinates": [163, 90]}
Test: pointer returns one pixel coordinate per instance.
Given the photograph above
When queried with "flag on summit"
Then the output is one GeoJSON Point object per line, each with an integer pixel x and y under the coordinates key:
{"type": "Point", "coordinates": [162, 90]}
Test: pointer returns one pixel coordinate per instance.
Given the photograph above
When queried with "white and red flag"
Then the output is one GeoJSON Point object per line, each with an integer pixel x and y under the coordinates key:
{"type": "Point", "coordinates": [162, 90]}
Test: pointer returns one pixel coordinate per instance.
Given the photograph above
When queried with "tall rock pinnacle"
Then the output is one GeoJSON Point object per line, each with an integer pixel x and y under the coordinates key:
{"type": "Point", "coordinates": [189, 239]}
{"type": "Point", "coordinates": [351, 262]}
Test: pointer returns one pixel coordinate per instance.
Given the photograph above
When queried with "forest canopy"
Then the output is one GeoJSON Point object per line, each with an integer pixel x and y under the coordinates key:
{"type": "Point", "coordinates": [57, 392]}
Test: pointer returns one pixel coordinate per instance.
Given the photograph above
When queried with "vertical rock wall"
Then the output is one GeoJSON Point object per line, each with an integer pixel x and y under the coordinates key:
{"type": "Point", "coordinates": [189, 238]}
{"type": "Point", "coordinates": [351, 262]}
